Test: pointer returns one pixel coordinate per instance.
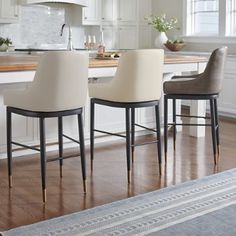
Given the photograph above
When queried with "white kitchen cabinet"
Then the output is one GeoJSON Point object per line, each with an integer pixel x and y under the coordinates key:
{"type": "Point", "coordinates": [127, 11]}
{"type": "Point", "coordinates": [92, 13]}
{"type": "Point", "coordinates": [22, 127]}
{"type": "Point", "coordinates": [110, 38]}
{"type": "Point", "coordinates": [144, 10]}
{"type": "Point", "coordinates": [145, 37]}
{"type": "Point", "coordinates": [9, 11]}
{"type": "Point", "coordinates": [127, 37]}
{"type": "Point", "coordinates": [227, 99]}
{"type": "Point", "coordinates": [122, 37]}
{"type": "Point", "coordinates": [119, 11]}
{"type": "Point", "coordinates": [108, 10]}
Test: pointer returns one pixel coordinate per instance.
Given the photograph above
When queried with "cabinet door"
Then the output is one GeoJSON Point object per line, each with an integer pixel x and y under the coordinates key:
{"type": "Point", "coordinates": [144, 10]}
{"type": "Point", "coordinates": [92, 13]}
{"type": "Point", "coordinates": [109, 37]}
{"type": "Point", "coordinates": [107, 10]}
{"type": "Point", "coordinates": [145, 37]}
{"type": "Point", "coordinates": [9, 11]}
{"type": "Point", "coordinates": [128, 37]}
{"type": "Point", "coordinates": [127, 11]}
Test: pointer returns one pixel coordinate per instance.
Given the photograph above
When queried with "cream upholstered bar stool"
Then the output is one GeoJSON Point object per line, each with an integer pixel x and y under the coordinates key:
{"type": "Point", "coordinates": [59, 89]}
{"type": "Point", "coordinates": [137, 83]}
{"type": "Point", "coordinates": [204, 86]}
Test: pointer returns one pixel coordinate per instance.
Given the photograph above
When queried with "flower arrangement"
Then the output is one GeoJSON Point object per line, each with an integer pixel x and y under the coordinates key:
{"type": "Point", "coordinates": [4, 44]}
{"type": "Point", "coordinates": [161, 23]}
{"type": "Point", "coordinates": [6, 41]}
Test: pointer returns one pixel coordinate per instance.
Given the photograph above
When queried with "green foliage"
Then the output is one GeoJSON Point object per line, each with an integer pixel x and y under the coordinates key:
{"type": "Point", "coordinates": [6, 41]}
{"type": "Point", "coordinates": [161, 23]}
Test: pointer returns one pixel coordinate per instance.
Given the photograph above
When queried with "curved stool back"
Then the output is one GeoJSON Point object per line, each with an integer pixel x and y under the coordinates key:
{"type": "Point", "coordinates": [204, 86]}
{"type": "Point", "coordinates": [59, 89]}
{"type": "Point", "coordinates": [137, 83]}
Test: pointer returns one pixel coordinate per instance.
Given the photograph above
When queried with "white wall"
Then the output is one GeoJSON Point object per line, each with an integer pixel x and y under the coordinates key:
{"type": "Point", "coordinates": [172, 8]}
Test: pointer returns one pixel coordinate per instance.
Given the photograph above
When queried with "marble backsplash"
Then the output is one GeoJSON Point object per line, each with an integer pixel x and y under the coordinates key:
{"type": "Point", "coordinates": [40, 26]}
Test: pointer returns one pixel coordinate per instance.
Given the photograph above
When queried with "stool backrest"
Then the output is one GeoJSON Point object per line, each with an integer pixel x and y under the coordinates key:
{"type": "Point", "coordinates": [139, 76]}
{"type": "Point", "coordinates": [61, 81]}
{"type": "Point", "coordinates": [213, 75]}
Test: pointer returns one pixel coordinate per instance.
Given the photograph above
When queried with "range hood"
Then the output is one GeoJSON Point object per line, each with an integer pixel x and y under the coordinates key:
{"type": "Point", "coordinates": [83, 3]}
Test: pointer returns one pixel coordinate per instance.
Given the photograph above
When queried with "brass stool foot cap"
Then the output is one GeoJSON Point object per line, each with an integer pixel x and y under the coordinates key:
{"type": "Point", "coordinates": [44, 195]}
{"type": "Point", "coordinates": [91, 164]}
{"type": "Point", "coordinates": [85, 185]}
{"type": "Point", "coordinates": [129, 176]}
{"type": "Point", "coordinates": [215, 160]}
{"type": "Point", "coordinates": [10, 181]}
{"type": "Point", "coordinates": [61, 172]}
{"type": "Point", "coordinates": [160, 168]}
{"type": "Point", "coordinates": [166, 158]}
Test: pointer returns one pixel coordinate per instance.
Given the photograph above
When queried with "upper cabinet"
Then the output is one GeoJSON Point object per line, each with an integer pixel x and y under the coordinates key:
{"type": "Point", "coordinates": [92, 13]}
{"type": "Point", "coordinates": [108, 8]}
{"type": "Point", "coordinates": [144, 10]}
{"type": "Point", "coordinates": [122, 22]}
{"type": "Point", "coordinates": [127, 11]}
{"type": "Point", "coordinates": [109, 12]}
{"type": "Point", "coordinates": [9, 11]}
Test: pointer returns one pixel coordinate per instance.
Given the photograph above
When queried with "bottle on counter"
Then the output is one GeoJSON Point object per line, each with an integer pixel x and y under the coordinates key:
{"type": "Point", "coordinates": [101, 45]}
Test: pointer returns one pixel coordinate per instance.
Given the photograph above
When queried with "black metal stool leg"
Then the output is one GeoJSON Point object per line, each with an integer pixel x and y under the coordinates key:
{"type": "Point", "coordinates": [60, 142]}
{"type": "Point", "coordinates": [165, 126]}
{"type": "Point", "coordinates": [158, 128]}
{"type": "Point", "coordinates": [217, 126]}
{"type": "Point", "coordinates": [132, 131]}
{"type": "Point", "coordinates": [9, 146]}
{"type": "Point", "coordinates": [82, 150]}
{"type": "Point", "coordinates": [127, 114]}
{"type": "Point", "coordinates": [92, 114]}
{"type": "Point", "coordinates": [213, 128]}
{"type": "Point", "coordinates": [43, 157]}
{"type": "Point", "coordinates": [174, 122]}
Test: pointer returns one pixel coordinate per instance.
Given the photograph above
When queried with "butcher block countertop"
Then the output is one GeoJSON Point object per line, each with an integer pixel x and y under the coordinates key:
{"type": "Point", "coordinates": [19, 62]}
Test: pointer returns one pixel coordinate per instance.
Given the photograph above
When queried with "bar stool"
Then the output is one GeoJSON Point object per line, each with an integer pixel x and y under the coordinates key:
{"type": "Point", "coordinates": [137, 83]}
{"type": "Point", "coordinates": [59, 89]}
{"type": "Point", "coordinates": [204, 86]}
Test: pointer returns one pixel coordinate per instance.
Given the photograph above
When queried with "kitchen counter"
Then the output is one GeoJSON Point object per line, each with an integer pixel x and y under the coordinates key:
{"type": "Point", "coordinates": [17, 71]}
{"type": "Point", "coordinates": [19, 62]}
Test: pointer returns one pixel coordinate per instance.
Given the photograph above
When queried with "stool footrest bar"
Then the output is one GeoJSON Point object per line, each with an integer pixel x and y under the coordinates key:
{"type": "Point", "coordinates": [73, 140]}
{"type": "Point", "coordinates": [63, 158]}
{"type": "Point", "coordinates": [188, 116]}
{"type": "Point", "coordinates": [26, 146]}
{"type": "Point", "coordinates": [144, 127]}
{"type": "Point", "coordinates": [141, 144]}
{"type": "Point", "coordinates": [114, 134]}
{"type": "Point", "coordinates": [184, 124]}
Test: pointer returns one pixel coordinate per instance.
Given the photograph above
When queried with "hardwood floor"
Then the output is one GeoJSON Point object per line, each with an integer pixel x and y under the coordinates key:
{"type": "Point", "coordinates": [193, 159]}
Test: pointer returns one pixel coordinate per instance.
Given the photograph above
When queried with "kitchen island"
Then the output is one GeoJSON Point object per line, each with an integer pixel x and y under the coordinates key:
{"type": "Point", "coordinates": [17, 71]}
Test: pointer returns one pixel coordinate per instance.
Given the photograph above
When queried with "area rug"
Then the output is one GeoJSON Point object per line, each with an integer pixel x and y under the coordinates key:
{"type": "Point", "coordinates": [199, 207]}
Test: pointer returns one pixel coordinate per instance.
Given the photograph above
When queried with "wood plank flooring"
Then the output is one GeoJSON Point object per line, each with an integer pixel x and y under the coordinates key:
{"type": "Point", "coordinates": [193, 159]}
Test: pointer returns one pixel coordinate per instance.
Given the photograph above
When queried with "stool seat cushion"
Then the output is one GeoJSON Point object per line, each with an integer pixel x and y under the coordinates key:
{"type": "Point", "coordinates": [138, 78]}
{"type": "Point", "coordinates": [207, 83]}
{"type": "Point", "coordinates": [60, 83]}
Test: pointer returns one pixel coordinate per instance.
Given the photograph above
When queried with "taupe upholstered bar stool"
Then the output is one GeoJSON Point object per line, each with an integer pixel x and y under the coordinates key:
{"type": "Point", "coordinates": [204, 86]}
{"type": "Point", "coordinates": [137, 84]}
{"type": "Point", "coordinates": [59, 89]}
